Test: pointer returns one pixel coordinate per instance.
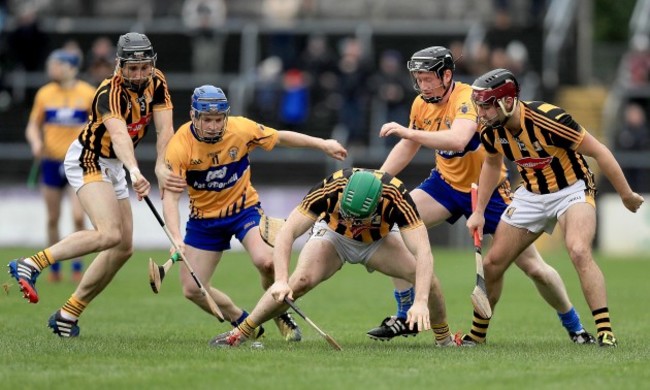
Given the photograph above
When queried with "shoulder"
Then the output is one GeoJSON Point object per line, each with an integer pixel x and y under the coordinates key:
{"type": "Point", "coordinates": [544, 109]}
{"type": "Point", "coordinates": [182, 138]}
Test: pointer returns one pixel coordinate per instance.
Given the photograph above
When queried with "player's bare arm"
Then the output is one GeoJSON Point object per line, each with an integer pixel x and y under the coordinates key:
{"type": "Point", "coordinates": [590, 146]}
{"type": "Point", "coordinates": [34, 137]}
{"type": "Point", "coordinates": [172, 217]}
{"type": "Point", "coordinates": [455, 139]}
{"type": "Point", "coordinates": [123, 147]}
{"type": "Point", "coordinates": [417, 242]}
{"type": "Point", "coordinates": [330, 147]}
{"type": "Point", "coordinates": [167, 180]}
{"type": "Point", "coordinates": [400, 156]}
{"type": "Point", "coordinates": [488, 181]}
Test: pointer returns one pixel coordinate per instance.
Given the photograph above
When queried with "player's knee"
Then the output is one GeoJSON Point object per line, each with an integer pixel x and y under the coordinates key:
{"type": "Point", "coordinates": [301, 285]}
{"type": "Point", "coordinates": [492, 267]}
{"type": "Point", "coordinates": [536, 273]}
{"type": "Point", "coordinates": [264, 265]}
{"type": "Point", "coordinates": [192, 293]}
{"type": "Point", "coordinates": [580, 254]}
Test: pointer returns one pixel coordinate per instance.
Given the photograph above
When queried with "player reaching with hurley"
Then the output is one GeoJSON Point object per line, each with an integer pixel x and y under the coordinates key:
{"type": "Point", "coordinates": [212, 154]}
{"type": "Point", "coordinates": [357, 216]}
{"type": "Point", "coordinates": [123, 109]}
{"type": "Point", "coordinates": [443, 118]}
{"type": "Point", "coordinates": [549, 148]}
{"type": "Point", "coordinates": [60, 111]}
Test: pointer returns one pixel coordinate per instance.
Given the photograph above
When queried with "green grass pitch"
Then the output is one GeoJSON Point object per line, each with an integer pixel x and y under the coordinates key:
{"type": "Point", "coordinates": [134, 339]}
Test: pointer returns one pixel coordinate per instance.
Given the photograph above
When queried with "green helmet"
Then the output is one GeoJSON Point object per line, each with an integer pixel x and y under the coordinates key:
{"type": "Point", "coordinates": [361, 195]}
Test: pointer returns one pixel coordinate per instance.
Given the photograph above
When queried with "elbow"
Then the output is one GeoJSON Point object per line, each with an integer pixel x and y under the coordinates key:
{"type": "Point", "coordinates": [457, 146]}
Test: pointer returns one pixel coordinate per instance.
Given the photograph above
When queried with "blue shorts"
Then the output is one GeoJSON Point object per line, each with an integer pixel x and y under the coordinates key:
{"type": "Point", "coordinates": [214, 234]}
{"type": "Point", "coordinates": [460, 203]}
{"type": "Point", "coordinates": [53, 174]}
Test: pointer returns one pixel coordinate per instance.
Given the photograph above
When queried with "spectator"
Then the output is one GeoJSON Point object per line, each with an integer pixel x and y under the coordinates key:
{"type": "Point", "coordinates": [634, 135]}
{"type": "Point", "coordinates": [294, 105]}
{"type": "Point", "coordinates": [101, 60]}
{"type": "Point", "coordinates": [391, 88]}
{"type": "Point", "coordinates": [353, 71]}
{"type": "Point", "coordinates": [638, 61]}
{"type": "Point", "coordinates": [318, 62]}
{"type": "Point", "coordinates": [27, 42]}
{"type": "Point", "coordinates": [205, 20]}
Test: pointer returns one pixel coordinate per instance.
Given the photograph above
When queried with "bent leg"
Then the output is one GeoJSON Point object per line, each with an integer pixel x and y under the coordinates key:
{"type": "Point", "coordinates": [105, 266]}
{"type": "Point", "coordinates": [99, 201]}
{"type": "Point", "coordinates": [547, 280]}
{"type": "Point", "coordinates": [261, 255]}
{"type": "Point", "coordinates": [394, 259]}
{"type": "Point", "coordinates": [432, 213]}
{"type": "Point", "coordinates": [317, 262]}
{"type": "Point", "coordinates": [204, 264]}
{"type": "Point", "coordinates": [509, 242]}
{"type": "Point", "coordinates": [579, 225]}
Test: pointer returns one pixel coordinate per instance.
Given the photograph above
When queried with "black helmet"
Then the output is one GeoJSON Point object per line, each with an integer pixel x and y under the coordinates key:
{"type": "Point", "coordinates": [432, 59]}
{"type": "Point", "coordinates": [135, 47]}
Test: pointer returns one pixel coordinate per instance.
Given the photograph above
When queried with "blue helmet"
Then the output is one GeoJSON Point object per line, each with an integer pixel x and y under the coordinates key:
{"type": "Point", "coordinates": [208, 99]}
{"type": "Point", "coordinates": [66, 56]}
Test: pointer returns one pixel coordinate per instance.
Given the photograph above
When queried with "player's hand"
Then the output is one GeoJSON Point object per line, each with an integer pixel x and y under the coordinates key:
{"type": "Point", "coordinates": [393, 128]}
{"type": "Point", "coordinates": [140, 184]}
{"type": "Point", "coordinates": [418, 315]}
{"type": "Point", "coordinates": [168, 180]}
{"type": "Point", "coordinates": [334, 149]}
{"type": "Point", "coordinates": [37, 148]}
{"type": "Point", "coordinates": [181, 248]}
{"type": "Point", "coordinates": [633, 201]}
{"type": "Point", "coordinates": [281, 290]}
{"type": "Point", "coordinates": [475, 222]}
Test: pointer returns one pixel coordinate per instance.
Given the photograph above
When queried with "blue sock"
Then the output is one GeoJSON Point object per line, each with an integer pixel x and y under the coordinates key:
{"type": "Point", "coordinates": [56, 267]}
{"type": "Point", "coordinates": [77, 266]}
{"type": "Point", "coordinates": [404, 300]}
{"type": "Point", "coordinates": [571, 320]}
{"type": "Point", "coordinates": [239, 320]}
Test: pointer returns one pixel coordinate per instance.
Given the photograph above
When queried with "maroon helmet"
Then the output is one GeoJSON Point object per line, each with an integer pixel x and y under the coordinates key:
{"type": "Point", "coordinates": [493, 87]}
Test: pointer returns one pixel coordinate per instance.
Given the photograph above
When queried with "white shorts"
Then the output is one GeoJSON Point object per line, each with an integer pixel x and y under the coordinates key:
{"type": "Point", "coordinates": [537, 212]}
{"type": "Point", "coordinates": [83, 171]}
{"type": "Point", "coordinates": [351, 251]}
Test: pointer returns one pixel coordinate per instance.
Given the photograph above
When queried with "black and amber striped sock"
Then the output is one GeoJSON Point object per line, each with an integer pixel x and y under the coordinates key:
{"type": "Point", "coordinates": [441, 331]}
{"type": "Point", "coordinates": [42, 259]}
{"type": "Point", "coordinates": [479, 328]}
{"type": "Point", "coordinates": [603, 323]}
{"type": "Point", "coordinates": [247, 328]}
{"type": "Point", "coordinates": [74, 307]}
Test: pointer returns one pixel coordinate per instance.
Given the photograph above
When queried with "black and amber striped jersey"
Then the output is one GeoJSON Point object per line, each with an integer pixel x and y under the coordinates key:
{"type": "Point", "coordinates": [395, 207]}
{"type": "Point", "coordinates": [218, 175]}
{"type": "Point", "coordinates": [114, 100]}
{"type": "Point", "coordinates": [545, 148]}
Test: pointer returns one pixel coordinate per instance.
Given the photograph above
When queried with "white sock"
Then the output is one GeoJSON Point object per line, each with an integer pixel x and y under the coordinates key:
{"type": "Point", "coordinates": [30, 262]}
{"type": "Point", "coordinates": [68, 316]}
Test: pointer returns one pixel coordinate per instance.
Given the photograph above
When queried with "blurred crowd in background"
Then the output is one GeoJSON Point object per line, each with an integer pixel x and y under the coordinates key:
{"type": "Point", "coordinates": [316, 82]}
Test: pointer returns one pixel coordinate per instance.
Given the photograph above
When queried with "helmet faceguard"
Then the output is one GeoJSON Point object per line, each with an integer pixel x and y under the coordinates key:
{"type": "Point", "coordinates": [432, 59]}
{"type": "Point", "coordinates": [361, 196]}
{"type": "Point", "coordinates": [135, 48]}
{"type": "Point", "coordinates": [209, 100]}
{"type": "Point", "coordinates": [492, 89]}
